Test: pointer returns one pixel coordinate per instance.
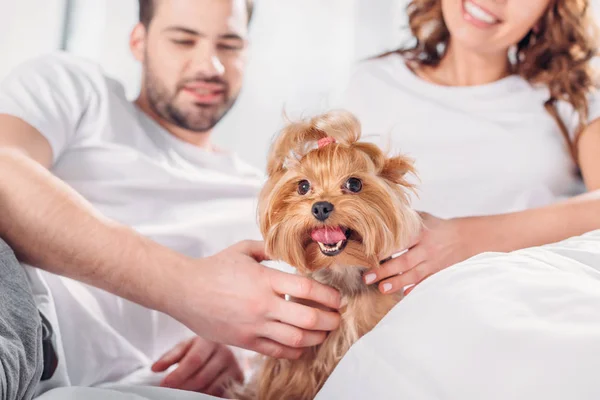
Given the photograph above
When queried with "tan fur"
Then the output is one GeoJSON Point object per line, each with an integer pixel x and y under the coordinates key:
{"type": "Point", "coordinates": [379, 216]}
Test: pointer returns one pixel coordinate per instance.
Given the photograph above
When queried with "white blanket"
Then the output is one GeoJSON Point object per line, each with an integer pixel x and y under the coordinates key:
{"type": "Point", "coordinates": [122, 393]}
{"type": "Point", "coordinates": [514, 326]}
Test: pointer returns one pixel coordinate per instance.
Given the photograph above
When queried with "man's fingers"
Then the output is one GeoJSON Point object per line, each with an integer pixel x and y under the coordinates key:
{"type": "Point", "coordinates": [271, 348]}
{"type": "Point", "coordinates": [254, 249]}
{"type": "Point", "coordinates": [171, 357]}
{"type": "Point", "coordinates": [305, 317]}
{"type": "Point", "coordinates": [208, 372]}
{"type": "Point", "coordinates": [305, 288]}
{"type": "Point", "coordinates": [291, 336]}
{"type": "Point", "coordinates": [198, 354]}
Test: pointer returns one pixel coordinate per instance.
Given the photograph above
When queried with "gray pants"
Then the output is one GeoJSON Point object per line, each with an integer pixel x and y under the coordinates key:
{"type": "Point", "coordinates": [21, 331]}
{"type": "Point", "coordinates": [26, 348]}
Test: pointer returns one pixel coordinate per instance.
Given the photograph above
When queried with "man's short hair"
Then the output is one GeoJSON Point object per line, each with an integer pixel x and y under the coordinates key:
{"type": "Point", "coordinates": [147, 10]}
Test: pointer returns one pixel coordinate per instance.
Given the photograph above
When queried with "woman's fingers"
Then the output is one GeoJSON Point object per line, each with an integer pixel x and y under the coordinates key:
{"type": "Point", "coordinates": [396, 266]}
{"type": "Point", "coordinates": [399, 282]}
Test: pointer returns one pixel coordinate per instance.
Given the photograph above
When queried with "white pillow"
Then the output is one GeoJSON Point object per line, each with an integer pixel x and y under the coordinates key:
{"type": "Point", "coordinates": [524, 325]}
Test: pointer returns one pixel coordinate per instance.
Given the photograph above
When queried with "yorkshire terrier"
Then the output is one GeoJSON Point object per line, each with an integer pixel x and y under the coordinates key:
{"type": "Point", "coordinates": [332, 207]}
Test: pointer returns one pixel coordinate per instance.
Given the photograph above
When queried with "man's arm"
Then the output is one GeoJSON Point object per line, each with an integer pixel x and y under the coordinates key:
{"type": "Point", "coordinates": [50, 226]}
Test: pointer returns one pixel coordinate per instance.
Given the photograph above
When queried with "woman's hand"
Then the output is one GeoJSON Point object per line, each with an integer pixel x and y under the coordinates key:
{"type": "Point", "coordinates": [442, 243]}
{"type": "Point", "coordinates": [203, 366]}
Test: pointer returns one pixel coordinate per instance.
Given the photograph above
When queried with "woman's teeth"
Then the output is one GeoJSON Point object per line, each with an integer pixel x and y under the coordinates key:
{"type": "Point", "coordinates": [476, 12]}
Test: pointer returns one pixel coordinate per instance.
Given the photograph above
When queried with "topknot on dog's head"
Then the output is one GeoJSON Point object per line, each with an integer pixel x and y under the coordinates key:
{"type": "Point", "coordinates": [297, 139]}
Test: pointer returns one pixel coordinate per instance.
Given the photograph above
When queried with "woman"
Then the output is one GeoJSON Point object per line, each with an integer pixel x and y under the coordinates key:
{"type": "Point", "coordinates": [496, 104]}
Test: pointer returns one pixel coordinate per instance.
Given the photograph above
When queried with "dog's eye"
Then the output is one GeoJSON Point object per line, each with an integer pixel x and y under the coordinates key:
{"type": "Point", "coordinates": [303, 187]}
{"type": "Point", "coordinates": [353, 185]}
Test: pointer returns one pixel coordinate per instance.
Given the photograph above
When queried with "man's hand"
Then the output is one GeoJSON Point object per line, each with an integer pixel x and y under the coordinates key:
{"type": "Point", "coordinates": [230, 298]}
{"type": "Point", "coordinates": [203, 366]}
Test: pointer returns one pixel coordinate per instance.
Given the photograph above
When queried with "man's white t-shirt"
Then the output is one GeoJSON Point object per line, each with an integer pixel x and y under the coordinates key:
{"type": "Point", "coordinates": [133, 171]}
{"type": "Point", "coordinates": [478, 150]}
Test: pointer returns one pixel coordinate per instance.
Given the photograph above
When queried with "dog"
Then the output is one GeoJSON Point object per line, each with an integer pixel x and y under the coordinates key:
{"type": "Point", "coordinates": [332, 207]}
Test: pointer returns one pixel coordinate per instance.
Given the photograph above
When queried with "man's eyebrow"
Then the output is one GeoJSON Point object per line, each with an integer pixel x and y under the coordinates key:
{"type": "Point", "coordinates": [183, 29]}
{"type": "Point", "coordinates": [231, 36]}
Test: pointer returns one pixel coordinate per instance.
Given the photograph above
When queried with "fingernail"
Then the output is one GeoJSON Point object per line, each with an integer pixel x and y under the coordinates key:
{"type": "Point", "coordinates": [370, 278]}
{"type": "Point", "coordinates": [387, 287]}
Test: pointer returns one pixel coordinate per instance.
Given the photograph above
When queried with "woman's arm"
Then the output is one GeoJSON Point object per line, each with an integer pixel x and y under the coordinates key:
{"type": "Point", "coordinates": [589, 155]}
{"type": "Point", "coordinates": [447, 242]}
{"type": "Point", "coordinates": [552, 223]}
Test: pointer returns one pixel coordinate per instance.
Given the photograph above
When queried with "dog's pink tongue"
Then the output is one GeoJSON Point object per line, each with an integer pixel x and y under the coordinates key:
{"type": "Point", "coordinates": [328, 235]}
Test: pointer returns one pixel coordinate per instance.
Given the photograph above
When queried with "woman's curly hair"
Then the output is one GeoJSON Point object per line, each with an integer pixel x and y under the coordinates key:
{"type": "Point", "coordinates": [557, 53]}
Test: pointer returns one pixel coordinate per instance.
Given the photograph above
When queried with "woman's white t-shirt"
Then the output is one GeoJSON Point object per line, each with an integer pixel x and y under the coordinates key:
{"type": "Point", "coordinates": [478, 150]}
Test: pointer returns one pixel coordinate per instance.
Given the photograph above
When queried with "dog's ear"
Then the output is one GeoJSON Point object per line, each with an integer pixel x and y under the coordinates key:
{"type": "Point", "coordinates": [396, 168]}
{"type": "Point", "coordinates": [393, 169]}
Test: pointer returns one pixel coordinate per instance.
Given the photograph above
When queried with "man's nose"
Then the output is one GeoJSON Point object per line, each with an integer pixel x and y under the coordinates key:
{"type": "Point", "coordinates": [207, 62]}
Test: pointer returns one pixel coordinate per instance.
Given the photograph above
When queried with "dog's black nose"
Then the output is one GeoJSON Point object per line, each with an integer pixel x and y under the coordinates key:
{"type": "Point", "coordinates": [322, 210]}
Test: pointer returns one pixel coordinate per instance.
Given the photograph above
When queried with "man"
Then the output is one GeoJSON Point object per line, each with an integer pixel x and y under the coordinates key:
{"type": "Point", "coordinates": [123, 212]}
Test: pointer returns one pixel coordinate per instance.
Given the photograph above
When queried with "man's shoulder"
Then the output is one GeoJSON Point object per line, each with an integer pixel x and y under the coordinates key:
{"type": "Point", "coordinates": [251, 171]}
{"type": "Point", "coordinates": [245, 169]}
{"type": "Point", "coordinates": [59, 67]}
{"type": "Point", "coordinates": [61, 59]}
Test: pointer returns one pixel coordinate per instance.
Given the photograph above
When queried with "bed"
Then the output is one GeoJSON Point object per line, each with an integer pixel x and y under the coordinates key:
{"type": "Point", "coordinates": [524, 325]}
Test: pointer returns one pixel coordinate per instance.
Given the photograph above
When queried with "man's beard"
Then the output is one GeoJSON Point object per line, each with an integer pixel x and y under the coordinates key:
{"type": "Point", "coordinates": [199, 118]}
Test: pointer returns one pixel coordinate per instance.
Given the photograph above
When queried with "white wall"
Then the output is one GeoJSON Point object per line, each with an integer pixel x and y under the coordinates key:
{"type": "Point", "coordinates": [90, 36]}
{"type": "Point", "coordinates": [302, 50]}
{"type": "Point", "coordinates": [28, 28]}
{"type": "Point", "coordinates": [379, 26]}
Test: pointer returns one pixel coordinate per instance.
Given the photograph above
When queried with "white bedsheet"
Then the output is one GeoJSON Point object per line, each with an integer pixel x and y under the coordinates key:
{"type": "Point", "coordinates": [514, 326]}
{"type": "Point", "coordinates": [122, 393]}
{"type": "Point", "coordinates": [499, 326]}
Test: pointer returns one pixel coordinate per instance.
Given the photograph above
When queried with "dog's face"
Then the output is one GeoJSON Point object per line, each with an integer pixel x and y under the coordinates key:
{"type": "Point", "coordinates": [341, 203]}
